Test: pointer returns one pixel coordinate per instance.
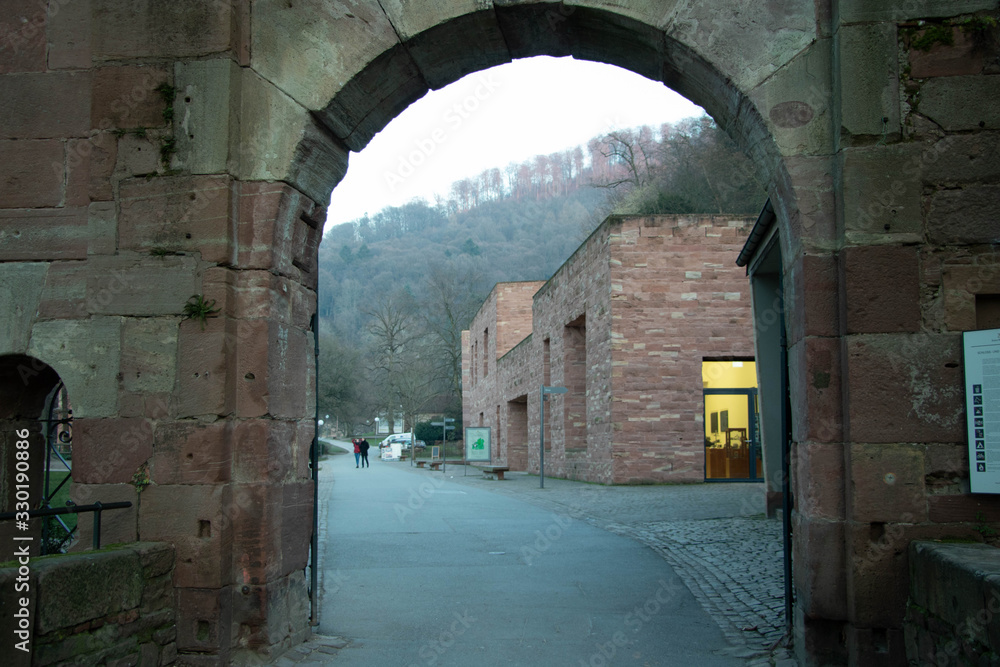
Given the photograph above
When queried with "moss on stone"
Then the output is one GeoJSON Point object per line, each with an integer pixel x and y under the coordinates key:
{"type": "Point", "coordinates": [90, 586]}
{"type": "Point", "coordinates": [932, 36]}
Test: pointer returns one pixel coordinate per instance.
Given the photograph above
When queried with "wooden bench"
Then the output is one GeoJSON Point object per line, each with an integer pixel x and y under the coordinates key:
{"type": "Point", "coordinates": [494, 470]}
{"type": "Point", "coordinates": [420, 464]}
{"type": "Point", "coordinates": [435, 464]}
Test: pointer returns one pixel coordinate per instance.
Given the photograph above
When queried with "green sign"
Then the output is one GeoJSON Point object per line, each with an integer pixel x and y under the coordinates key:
{"type": "Point", "coordinates": [477, 443]}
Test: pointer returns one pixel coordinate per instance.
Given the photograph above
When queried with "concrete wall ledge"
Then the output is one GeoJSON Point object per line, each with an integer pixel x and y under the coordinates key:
{"type": "Point", "coordinates": [953, 615]}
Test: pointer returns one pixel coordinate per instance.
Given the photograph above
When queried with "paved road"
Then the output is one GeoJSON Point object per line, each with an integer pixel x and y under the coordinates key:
{"type": "Point", "coordinates": [714, 536]}
{"type": "Point", "coordinates": [426, 568]}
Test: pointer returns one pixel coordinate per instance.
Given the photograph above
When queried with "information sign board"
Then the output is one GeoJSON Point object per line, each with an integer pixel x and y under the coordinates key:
{"type": "Point", "coordinates": [982, 405]}
{"type": "Point", "coordinates": [477, 443]}
{"type": "Point", "coordinates": [392, 451]}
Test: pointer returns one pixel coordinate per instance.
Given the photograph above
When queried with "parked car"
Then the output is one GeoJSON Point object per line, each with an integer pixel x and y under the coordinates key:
{"type": "Point", "coordinates": [403, 438]}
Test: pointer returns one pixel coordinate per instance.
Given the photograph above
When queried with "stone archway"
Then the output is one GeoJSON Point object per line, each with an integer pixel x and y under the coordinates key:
{"type": "Point", "coordinates": [459, 44]}
{"type": "Point", "coordinates": [155, 151]}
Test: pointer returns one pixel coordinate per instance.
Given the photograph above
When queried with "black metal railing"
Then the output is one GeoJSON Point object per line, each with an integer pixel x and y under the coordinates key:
{"type": "Point", "coordinates": [57, 428]}
{"type": "Point", "coordinates": [71, 508]}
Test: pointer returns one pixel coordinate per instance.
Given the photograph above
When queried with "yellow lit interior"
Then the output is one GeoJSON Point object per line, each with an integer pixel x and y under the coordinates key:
{"type": "Point", "coordinates": [729, 374]}
{"type": "Point", "coordinates": [730, 413]}
{"type": "Point", "coordinates": [727, 419]}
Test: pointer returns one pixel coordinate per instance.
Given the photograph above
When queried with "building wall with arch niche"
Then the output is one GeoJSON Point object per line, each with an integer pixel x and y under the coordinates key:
{"type": "Point", "coordinates": [154, 151]}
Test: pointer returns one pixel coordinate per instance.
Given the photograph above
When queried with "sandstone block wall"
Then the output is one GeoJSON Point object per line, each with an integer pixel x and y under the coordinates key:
{"type": "Point", "coordinates": [578, 423]}
{"type": "Point", "coordinates": [514, 313]}
{"type": "Point", "coordinates": [953, 612]}
{"type": "Point", "coordinates": [125, 190]}
{"type": "Point", "coordinates": [114, 606]}
{"type": "Point", "coordinates": [876, 382]}
{"type": "Point", "coordinates": [677, 299]}
{"type": "Point", "coordinates": [641, 303]}
{"type": "Point", "coordinates": [500, 325]}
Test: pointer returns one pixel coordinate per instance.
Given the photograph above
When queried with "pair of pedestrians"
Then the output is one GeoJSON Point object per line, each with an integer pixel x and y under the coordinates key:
{"type": "Point", "coordinates": [361, 453]}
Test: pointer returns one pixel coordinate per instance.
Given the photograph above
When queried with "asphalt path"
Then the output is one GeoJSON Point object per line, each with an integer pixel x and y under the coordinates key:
{"type": "Point", "coordinates": [418, 570]}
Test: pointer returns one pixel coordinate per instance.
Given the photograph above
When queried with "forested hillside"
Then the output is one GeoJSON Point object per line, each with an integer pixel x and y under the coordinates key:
{"type": "Point", "coordinates": [397, 288]}
{"type": "Point", "coordinates": [497, 240]}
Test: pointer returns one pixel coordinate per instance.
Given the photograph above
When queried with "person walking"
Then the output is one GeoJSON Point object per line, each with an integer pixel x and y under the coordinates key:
{"type": "Point", "coordinates": [357, 452]}
{"type": "Point", "coordinates": [363, 445]}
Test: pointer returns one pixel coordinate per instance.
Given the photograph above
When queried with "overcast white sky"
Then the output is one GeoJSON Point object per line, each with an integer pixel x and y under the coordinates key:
{"type": "Point", "coordinates": [491, 118]}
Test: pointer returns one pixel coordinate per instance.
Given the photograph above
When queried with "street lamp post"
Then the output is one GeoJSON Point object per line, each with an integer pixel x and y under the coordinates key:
{"type": "Point", "coordinates": [541, 429]}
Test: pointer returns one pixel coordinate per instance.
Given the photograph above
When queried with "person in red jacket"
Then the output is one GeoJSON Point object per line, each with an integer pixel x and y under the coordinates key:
{"type": "Point", "coordinates": [357, 452]}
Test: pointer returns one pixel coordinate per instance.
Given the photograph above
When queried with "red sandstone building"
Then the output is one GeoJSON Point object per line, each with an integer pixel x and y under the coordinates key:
{"type": "Point", "coordinates": [648, 325]}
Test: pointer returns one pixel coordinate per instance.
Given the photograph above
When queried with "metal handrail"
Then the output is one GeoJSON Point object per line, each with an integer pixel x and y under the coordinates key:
{"type": "Point", "coordinates": [96, 508]}
{"type": "Point", "coordinates": [56, 397]}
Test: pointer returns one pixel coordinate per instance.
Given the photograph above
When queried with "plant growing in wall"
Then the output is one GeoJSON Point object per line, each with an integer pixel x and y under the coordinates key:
{"type": "Point", "coordinates": [198, 308]}
{"type": "Point", "coordinates": [168, 145]}
{"type": "Point", "coordinates": [983, 528]}
{"type": "Point", "coordinates": [167, 93]}
{"type": "Point", "coordinates": [140, 478]}
{"type": "Point", "coordinates": [932, 35]}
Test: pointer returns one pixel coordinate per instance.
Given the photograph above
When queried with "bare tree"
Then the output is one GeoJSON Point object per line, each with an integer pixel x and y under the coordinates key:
{"type": "Point", "coordinates": [452, 298]}
{"type": "Point", "coordinates": [630, 155]}
{"type": "Point", "coordinates": [345, 390]}
{"type": "Point", "coordinates": [391, 329]}
{"type": "Point", "coordinates": [704, 166]}
{"type": "Point", "coordinates": [416, 382]}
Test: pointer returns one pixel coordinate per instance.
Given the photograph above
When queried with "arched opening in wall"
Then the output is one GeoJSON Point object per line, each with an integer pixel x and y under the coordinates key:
{"type": "Point", "coordinates": [370, 100]}
{"type": "Point", "coordinates": [425, 264]}
{"type": "Point", "coordinates": [469, 187]}
{"type": "Point", "coordinates": [36, 433]}
{"type": "Point", "coordinates": [583, 438]}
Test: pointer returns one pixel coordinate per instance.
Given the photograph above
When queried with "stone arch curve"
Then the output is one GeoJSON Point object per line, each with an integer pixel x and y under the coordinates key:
{"type": "Point", "coordinates": [25, 383]}
{"type": "Point", "coordinates": [746, 71]}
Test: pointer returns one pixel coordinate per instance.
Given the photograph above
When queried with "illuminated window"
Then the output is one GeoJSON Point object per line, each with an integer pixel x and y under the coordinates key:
{"type": "Point", "coordinates": [731, 448]}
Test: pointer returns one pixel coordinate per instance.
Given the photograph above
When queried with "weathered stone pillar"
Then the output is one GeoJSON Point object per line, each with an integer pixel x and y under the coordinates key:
{"type": "Point", "coordinates": [171, 278]}
{"type": "Point", "coordinates": [916, 205]}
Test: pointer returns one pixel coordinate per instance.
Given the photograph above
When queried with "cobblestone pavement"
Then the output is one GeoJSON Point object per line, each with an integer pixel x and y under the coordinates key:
{"type": "Point", "coordinates": [715, 536]}
{"type": "Point", "coordinates": [734, 568]}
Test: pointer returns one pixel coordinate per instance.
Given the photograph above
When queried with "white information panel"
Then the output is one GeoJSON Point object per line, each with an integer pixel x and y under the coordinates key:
{"type": "Point", "coordinates": [392, 451]}
{"type": "Point", "coordinates": [477, 443]}
{"type": "Point", "coordinates": [982, 404]}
